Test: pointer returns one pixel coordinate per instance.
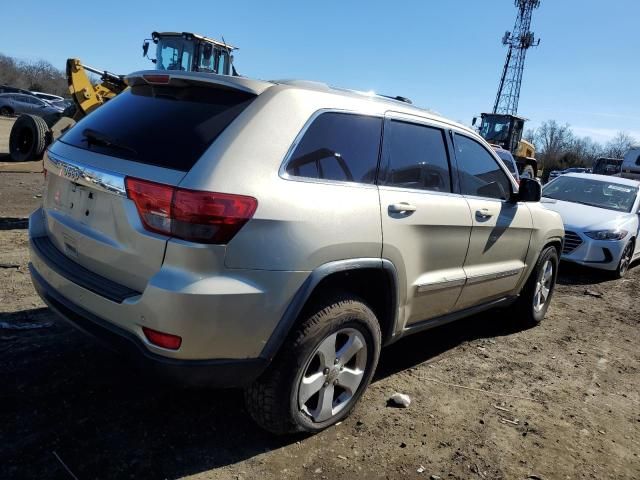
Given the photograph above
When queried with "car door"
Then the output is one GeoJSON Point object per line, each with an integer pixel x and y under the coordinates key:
{"type": "Point", "coordinates": [501, 228]}
{"type": "Point", "coordinates": [23, 104]}
{"type": "Point", "coordinates": [425, 225]}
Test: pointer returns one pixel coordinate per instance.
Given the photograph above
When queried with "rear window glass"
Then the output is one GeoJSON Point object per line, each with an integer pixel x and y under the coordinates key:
{"type": "Point", "coordinates": [338, 146]}
{"type": "Point", "coordinates": [159, 125]}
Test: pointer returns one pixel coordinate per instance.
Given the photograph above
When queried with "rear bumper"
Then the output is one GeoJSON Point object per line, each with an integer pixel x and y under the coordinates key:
{"type": "Point", "coordinates": [224, 317]}
{"type": "Point", "coordinates": [215, 373]}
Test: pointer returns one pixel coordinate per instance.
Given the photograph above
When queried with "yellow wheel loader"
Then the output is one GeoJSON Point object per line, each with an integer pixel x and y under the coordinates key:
{"type": "Point", "coordinates": [31, 134]}
{"type": "Point", "coordinates": [506, 131]}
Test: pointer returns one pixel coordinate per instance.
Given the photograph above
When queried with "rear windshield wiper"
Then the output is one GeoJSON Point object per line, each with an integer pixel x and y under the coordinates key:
{"type": "Point", "coordinates": [94, 137]}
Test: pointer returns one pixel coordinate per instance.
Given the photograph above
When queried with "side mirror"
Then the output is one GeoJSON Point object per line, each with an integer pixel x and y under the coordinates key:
{"type": "Point", "coordinates": [473, 122]}
{"type": "Point", "coordinates": [145, 48]}
{"type": "Point", "coordinates": [530, 190]}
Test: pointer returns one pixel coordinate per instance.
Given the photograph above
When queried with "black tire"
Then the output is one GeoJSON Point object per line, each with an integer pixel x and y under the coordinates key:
{"type": "Point", "coordinates": [524, 309]}
{"type": "Point", "coordinates": [28, 138]}
{"type": "Point", "coordinates": [272, 400]}
{"type": "Point", "coordinates": [528, 172]}
{"type": "Point", "coordinates": [6, 111]}
{"type": "Point", "coordinates": [625, 260]}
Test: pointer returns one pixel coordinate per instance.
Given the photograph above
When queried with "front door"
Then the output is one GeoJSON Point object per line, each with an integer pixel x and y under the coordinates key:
{"type": "Point", "coordinates": [425, 227]}
{"type": "Point", "coordinates": [501, 228]}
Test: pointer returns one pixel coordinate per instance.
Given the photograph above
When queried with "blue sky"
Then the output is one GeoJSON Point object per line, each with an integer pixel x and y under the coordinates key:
{"type": "Point", "coordinates": [444, 55]}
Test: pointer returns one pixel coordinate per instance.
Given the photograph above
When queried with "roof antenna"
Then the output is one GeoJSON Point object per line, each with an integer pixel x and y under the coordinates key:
{"type": "Point", "coordinates": [233, 68]}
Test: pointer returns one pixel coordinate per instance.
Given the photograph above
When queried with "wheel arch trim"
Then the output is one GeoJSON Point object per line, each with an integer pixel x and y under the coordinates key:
{"type": "Point", "coordinates": [305, 291]}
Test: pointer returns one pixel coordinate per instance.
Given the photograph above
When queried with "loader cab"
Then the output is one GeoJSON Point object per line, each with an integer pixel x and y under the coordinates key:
{"type": "Point", "coordinates": [503, 130]}
{"type": "Point", "coordinates": [190, 52]}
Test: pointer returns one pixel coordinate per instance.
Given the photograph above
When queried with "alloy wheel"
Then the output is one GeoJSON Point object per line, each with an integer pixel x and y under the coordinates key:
{"type": "Point", "coordinates": [333, 374]}
{"type": "Point", "coordinates": [625, 261]}
{"type": "Point", "coordinates": [543, 286]}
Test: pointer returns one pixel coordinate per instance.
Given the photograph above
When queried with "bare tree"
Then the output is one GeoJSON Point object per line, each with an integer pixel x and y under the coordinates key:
{"type": "Point", "coordinates": [38, 76]}
{"type": "Point", "coordinates": [619, 145]}
{"type": "Point", "coordinates": [553, 139]}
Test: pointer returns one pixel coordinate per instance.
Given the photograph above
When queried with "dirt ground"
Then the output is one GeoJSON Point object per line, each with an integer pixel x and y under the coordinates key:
{"type": "Point", "coordinates": [560, 401]}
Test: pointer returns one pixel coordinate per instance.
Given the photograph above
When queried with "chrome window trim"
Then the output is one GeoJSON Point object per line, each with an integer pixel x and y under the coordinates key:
{"type": "Point", "coordinates": [82, 174]}
{"type": "Point", "coordinates": [282, 171]}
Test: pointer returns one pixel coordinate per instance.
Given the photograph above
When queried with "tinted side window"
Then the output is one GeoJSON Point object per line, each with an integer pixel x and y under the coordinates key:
{"type": "Point", "coordinates": [417, 157]}
{"type": "Point", "coordinates": [480, 174]}
{"type": "Point", "coordinates": [338, 146]}
{"type": "Point", "coordinates": [507, 159]}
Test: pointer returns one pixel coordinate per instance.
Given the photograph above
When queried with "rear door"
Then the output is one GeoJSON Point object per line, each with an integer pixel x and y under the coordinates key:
{"type": "Point", "coordinates": [501, 229]}
{"type": "Point", "coordinates": [425, 225]}
{"type": "Point", "coordinates": [154, 133]}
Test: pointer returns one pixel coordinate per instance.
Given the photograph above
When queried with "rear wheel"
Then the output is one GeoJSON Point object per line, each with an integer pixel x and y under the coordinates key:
{"type": "Point", "coordinates": [534, 300]}
{"type": "Point", "coordinates": [321, 371]}
{"type": "Point", "coordinates": [5, 111]}
{"type": "Point", "coordinates": [625, 260]}
{"type": "Point", "coordinates": [28, 138]}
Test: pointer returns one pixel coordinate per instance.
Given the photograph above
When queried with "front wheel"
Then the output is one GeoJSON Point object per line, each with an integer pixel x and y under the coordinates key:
{"type": "Point", "coordinates": [535, 297]}
{"type": "Point", "coordinates": [625, 261]}
{"type": "Point", "coordinates": [5, 111]}
{"type": "Point", "coordinates": [322, 370]}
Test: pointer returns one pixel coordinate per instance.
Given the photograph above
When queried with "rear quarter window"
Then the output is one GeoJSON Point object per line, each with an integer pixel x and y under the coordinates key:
{"type": "Point", "coordinates": [165, 126]}
{"type": "Point", "coordinates": [339, 147]}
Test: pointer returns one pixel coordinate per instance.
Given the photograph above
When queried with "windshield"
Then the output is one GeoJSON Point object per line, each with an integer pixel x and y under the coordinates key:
{"type": "Point", "coordinates": [495, 130]}
{"type": "Point", "coordinates": [596, 193]}
{"type": "Point", "coordinates": [174, 53]}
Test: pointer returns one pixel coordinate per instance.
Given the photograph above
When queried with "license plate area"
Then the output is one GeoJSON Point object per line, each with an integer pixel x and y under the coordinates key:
{"type": "Point", "coordinates": [79, 203]}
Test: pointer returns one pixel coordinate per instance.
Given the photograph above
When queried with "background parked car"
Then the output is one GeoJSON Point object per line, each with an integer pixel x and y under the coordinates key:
{"type": "Point", "coordinates": [631, 164]}
{"type": "Point", "coordinates": [8, 89]}
{"type": "Point", "coordinates": [607, 166]}
{"type": "Point", "coordinates": [55, 100]}
{"type": "Point", "coordinates": [557, 173]}
{"type": "Point", "coordinates": [600, 215]}
{"type": "Point", "coordinates": [18, 103]}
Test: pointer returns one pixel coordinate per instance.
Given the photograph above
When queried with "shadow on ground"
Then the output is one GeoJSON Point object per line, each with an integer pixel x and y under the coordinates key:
{"type": "Point", "coordinates": [64, 393]}
{"type": "Point", "coordinates": [574, 274]}
{"type": "Point", "coordinates": [13, 223]}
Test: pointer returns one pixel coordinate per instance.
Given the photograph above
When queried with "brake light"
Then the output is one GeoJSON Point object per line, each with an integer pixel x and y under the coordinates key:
{"type": "Point", "coordinates": [204, 217]}
{"type": "Point", "coordinates": [161, 339]}
{"type": "Point", "coordinates": [157, 79]}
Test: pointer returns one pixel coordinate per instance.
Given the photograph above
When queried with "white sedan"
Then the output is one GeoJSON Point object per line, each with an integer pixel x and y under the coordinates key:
{"type": "Point", "coordinates": [600, 215]}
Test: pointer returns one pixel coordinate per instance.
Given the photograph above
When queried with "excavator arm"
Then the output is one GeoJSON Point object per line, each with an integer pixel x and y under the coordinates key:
{"type": "Point", "coordinates": [85, 94]}
{"type": "Point", "coordinates": [30, 134]}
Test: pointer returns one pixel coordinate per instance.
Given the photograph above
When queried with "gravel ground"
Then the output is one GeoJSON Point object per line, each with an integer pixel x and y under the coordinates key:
{"type": "Point", "coordinates": [559, 401]}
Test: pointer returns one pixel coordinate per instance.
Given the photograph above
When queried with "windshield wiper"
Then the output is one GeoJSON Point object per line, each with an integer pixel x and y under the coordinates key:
{"type": "Point", "coordinates": [94, 137]}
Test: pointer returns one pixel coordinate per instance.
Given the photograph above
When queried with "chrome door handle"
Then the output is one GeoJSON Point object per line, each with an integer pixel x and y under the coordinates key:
{"type": "Point", "coordinates": [402, 207]}
{"type": "Point", "coordinates": [484, 213]}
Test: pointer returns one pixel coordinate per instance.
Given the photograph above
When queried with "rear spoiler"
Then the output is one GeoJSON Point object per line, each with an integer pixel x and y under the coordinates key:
{"type": "Point", "coordinates": [179, 78]}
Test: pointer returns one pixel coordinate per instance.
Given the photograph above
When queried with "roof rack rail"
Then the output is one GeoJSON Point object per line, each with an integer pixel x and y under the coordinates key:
{"type": "Point", "coordinates": [399, 98]}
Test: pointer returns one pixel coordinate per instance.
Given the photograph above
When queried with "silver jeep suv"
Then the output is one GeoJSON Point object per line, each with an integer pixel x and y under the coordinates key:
{"type": "Point", "coordinates": [274, 235]}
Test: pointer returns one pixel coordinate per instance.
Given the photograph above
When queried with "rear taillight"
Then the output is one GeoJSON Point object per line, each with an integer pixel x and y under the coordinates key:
{"type": "Point", "coordinates": [204, 217]}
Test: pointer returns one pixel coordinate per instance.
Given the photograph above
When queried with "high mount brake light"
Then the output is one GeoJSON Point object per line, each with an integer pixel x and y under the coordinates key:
{"type": "Point", "coordinates": [203, 217]}
{"type": "Point", "coordinates": [157, 79]}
